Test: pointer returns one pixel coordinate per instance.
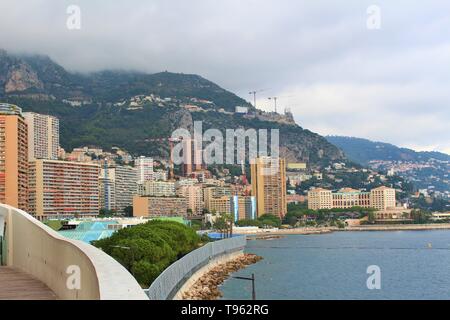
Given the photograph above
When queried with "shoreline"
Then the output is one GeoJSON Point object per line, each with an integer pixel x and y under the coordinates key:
{"type": "Point", "coordinates": [262, 235]}
{"type": "Point", "coordinates": [206, 287]}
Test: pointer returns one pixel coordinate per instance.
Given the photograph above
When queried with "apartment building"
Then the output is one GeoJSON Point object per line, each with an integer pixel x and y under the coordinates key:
{"type": "Point", "coordinates": [63, 188]}
{"type": "Point", "coordinates": [220, 205]}
{"type": "Point", "coordinates": [144, 206]}
{"type": "Point", "coordinates": [13, 157]}
{"type": "Point", "coordinates": [107, 192]}
{"type": "Point", "coordinates": [194, 197]}
{"type": "Point", "coordinates": [269, 185]}
{"type": "Point", "coordinates": [243, 207]}
{"type": "Point", "coordinates": [117, 187]}
{"type": "Point", "coordinates": [157, 188]}
{"type": "Point", "coordinates": [43, 136]}
{"type": "Point", "coordinates": [213, 197]}
{"type": "Point", "coordinates": [144, 167]}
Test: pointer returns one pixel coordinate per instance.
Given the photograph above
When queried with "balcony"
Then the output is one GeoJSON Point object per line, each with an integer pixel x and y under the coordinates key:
{"type": "Point", "coordinates": [38, 263]}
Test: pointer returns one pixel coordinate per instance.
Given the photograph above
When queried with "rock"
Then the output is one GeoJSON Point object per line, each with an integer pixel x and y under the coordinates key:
{"type": "Point", "coordinates": [206, 288]}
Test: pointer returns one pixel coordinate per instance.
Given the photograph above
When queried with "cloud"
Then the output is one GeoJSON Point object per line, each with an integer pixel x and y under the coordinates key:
{"type": "Point", "coordinates": [335, 75]}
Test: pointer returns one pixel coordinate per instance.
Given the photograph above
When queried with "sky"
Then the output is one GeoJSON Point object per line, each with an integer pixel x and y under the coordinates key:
{"type": "Point", "coordinates": [342, 67]}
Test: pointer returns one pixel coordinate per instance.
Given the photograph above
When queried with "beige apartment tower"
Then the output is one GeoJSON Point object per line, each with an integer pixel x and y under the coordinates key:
{"type": "Point", "coordinates": [194, 198]}
{"type": "Point", "coordinates": [269, 186]}
{"type": "Point", "coordinates": [63, 188]}
{"type": "Point", "coordinates": [13, 157]}
{"type": "Point", "coordinates": [43, 136]}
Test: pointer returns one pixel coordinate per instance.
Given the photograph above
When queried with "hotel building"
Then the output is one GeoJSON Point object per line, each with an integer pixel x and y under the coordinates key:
{"type": "Point", "coordinates": [269, 185]}
{"type": "Point", "coordinates": [320, 199]}
{"type": "Point", "coordinates": [43, 136]}
{"type": "Point", "coordinates": [380, 198]}
{"type": "Point", "coordinates": [13, 157]}
{"type": "Point", "coordinates": [63, 188]}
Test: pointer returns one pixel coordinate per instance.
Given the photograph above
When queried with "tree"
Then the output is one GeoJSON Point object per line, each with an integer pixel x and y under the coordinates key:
{"type": "Point", "coordinates": [128, 211]}
{"type": "Point", "coordinates": [371, 217]}
{"type": "Point", "coordinates": [420, 216]}
{"type": "Point", "coordinates": [147, 249]}
{"type": "Point", "coordinates": [224, 224]}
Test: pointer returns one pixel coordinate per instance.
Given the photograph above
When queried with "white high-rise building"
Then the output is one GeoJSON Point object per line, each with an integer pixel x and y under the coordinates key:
{"type": "Point", "coordinates": [117, 187]}
{"type": "Point", "coordinates": [43, 136]}
{"type": "Point", "coordinates": [144, 167]}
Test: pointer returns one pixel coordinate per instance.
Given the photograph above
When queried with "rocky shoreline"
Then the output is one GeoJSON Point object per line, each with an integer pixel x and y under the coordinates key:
{"type": "Point", "coordinates": [207, 286]}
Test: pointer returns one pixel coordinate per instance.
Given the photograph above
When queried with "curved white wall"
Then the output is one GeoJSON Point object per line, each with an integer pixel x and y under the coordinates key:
{"type": "Point", "coordinates": [40, 251]}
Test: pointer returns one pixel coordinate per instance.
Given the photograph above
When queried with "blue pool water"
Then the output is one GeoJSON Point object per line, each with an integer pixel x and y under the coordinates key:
{"type": "Point", "coordinates": [414, 265]}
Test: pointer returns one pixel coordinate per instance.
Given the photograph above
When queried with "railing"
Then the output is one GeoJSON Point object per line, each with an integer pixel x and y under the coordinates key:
{"type": "Point", "coordinates": [172, 279]}
{"type": "Point", "coordinates": [71, 269]}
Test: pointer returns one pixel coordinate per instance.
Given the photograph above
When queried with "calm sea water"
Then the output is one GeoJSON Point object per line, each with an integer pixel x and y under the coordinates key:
{"type": "Point", "coordinates": [334, 266]}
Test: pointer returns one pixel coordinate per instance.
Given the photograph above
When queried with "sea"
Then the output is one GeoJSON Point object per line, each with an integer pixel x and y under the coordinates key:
{"type": "Point", "coordinates": [370, 265]}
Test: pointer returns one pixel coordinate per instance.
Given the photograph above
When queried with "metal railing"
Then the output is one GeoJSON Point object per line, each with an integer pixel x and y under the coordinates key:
{"type": "Point", "coordinates": [173, 278]}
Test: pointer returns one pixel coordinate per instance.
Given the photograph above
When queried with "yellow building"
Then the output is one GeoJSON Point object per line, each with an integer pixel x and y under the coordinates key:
{"type": "Point", "coordinates": [13, 157]}
{"type": "Point", "coordinates": [63, 188]}
{"type": "Point", "coordinates": [269, 185]}
{"type": "Point", "coordinates": [159, 206]}
{"type": "Point", "coordinates": [220, 205]}
{"type": "Point", "coordinates": [320, 199]}
{"type": "Point", "coordinates": [348, 198]}
{"type": "Point", "coordinates": [382, 198]}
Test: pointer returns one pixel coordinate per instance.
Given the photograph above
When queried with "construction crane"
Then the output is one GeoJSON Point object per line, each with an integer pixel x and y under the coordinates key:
{"type": "Point", "coordinates": [275, 100]}
{"type": "Point", "coordinates": [171, 143]}
{"type": "Point", "coordinates": [254, 95]}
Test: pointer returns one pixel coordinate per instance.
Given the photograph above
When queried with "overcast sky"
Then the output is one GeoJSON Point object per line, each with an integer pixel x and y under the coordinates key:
{"type": "Point", "coordinates": [319, 57]}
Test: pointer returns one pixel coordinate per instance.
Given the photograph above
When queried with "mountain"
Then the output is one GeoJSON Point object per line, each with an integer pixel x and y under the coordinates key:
{"type": "Point", "coordinates": [363, 151]}
{"type": "Point", "coordinates": [34, 76]}
{"type": "Point", "coordinates": [126, 109]}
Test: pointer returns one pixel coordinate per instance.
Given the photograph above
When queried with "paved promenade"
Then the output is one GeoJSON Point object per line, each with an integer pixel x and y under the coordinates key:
{"type": "Point", "coordinates": [17, 285]}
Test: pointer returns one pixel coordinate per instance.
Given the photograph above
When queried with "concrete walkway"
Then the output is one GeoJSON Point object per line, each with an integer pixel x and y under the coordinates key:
{"type": "Point", "coordinates": [17, 285]}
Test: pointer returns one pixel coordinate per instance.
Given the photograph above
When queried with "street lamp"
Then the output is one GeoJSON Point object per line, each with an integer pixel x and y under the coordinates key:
{"type": "Point", "coordinates": [252, 279]}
